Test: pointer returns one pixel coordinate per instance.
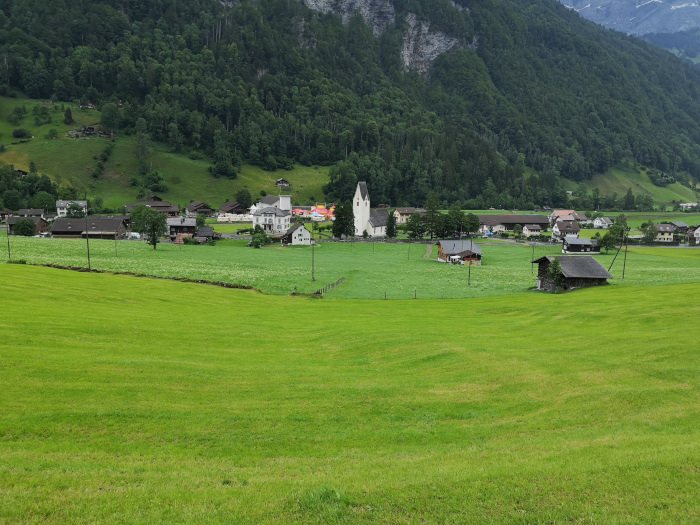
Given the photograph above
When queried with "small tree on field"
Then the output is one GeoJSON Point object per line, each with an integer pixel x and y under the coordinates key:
{"type": "Point", "coordinates": [149, 222]}
{"type": "Point", "coordinates": [555, 273]}
{"type": "Point", "coordinates": [25, 227]}
{"type": "Point", "coordinates": [201, 220]}
{"type": "Point", "coordinates": [75, 211]}
{"type": "Point", "coordinates": [650, 231]}
{"type": "Point", "coordinates": [68, 117]}
{"type": "Point", "coordinates": [391, 225]}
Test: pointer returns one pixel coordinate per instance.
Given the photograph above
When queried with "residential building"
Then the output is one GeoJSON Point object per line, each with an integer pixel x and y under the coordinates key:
{"type": "Point", "coordinates": [32, 212]}
{"type": "Point", "coordinates": [578, 245]}
{"type": "Point", "coordinates": [532, 230]}
{"type": "Point", "coordinates": [62, 207]}
{"type": "Point", "coordinates": [507, 222]}
{"type": "Point", "coordinates": [181, 226]}
{"type": "Point", "coordinates": [603, 223]}
{"type": "Point", "coordinates": [459, 252]}
{"type": "Point", "coordinates": [565, 229]}
{"type": "Point", "coordinates": [272, 220]}
{"type": "Point", "coordinates": [664, 233]}
{"type": "Point", "coordinates": [94, 227]}
{"type": "Point", "coordinates": [41, 224]}
{"type": "Point", "coordinates": [170, 210]}
{"type": "Point", "coordinates": [578, 271]}
{"type": "Point", "coordinates": [403, 214]}
{"type": "Point", "coordinates": [297, 235]}
{"type": "Point", "coordinates": [197, 208]}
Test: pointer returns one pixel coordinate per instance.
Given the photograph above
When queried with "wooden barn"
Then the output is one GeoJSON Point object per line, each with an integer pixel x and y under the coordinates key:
{"type": "Point", "coordinates": [459, 252]}
{"type": "Point", "coordinates": [578, 271]}
{"type": "Point", "coordinates": [576, 245]}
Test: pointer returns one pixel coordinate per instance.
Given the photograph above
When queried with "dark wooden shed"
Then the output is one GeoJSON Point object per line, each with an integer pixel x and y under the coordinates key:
{"type": "Point", "coordinates": [579, 271]}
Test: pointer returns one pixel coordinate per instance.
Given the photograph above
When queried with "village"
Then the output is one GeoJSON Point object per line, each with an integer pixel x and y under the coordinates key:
{"type": "Point", "coordinates": [281, 222]}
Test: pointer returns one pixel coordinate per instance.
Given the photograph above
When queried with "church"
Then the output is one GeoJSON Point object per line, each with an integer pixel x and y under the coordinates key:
{"type": "Point", "coordinates": [366, 219]}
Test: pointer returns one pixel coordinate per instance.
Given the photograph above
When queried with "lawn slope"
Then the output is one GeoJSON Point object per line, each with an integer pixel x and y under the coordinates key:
{"type": "Point", "coordinates": [71, 161]}
{"type": "Point", "coordinates": [136, 400]}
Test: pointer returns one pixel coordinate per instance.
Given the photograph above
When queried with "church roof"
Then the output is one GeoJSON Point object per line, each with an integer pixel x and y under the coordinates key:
{"type": "Point", "coordinates": [378, 218]}
{"type": "Point", "coordinates": [363, 190]}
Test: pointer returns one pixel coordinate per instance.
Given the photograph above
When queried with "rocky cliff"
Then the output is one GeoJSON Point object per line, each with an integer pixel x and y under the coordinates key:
{"type": "Point", "coordinates": [420, 46]}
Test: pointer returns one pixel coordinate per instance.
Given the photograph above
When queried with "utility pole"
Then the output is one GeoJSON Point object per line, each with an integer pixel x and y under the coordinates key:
{"type": "Point", "coordinates": [624, 264]}
{"type": "Point", "coordinates": [313, 259]}
{"type": "Point", "coordinates": [471, 252]}
{"type": "Point", "coordinates": [87, 240]}
{"type": "Point", "coordinates": [115, 245]}
{"type": "Point", "coordinates": [9, 255]}
{"type": "Point", "coordinates": [409, 249]}
{"type": "Point", "coordinates": [532, 260]}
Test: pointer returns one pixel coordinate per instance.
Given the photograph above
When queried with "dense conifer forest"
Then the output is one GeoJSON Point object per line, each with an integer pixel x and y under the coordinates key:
{"type": "Point", "coordinates": [273, 83]}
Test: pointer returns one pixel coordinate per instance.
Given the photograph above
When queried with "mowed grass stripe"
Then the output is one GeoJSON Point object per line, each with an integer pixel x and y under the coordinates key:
{"type": "Point", "coordinates": [138, 400]}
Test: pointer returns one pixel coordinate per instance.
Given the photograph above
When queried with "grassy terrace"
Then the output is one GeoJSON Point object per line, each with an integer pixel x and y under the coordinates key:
{"type": "Point", "coordinates": [130, 400]}
{"type": "Point", "coordinates": [276, 270]}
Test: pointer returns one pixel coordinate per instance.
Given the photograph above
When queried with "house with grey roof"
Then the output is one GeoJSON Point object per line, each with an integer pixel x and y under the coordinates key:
{"type": "Point", "coordinates": [578, 271]}
{"type": "Point", "coordinates": [565, 229]}
{"type": "Point", "coordinates": [273, 220]}
{"type": "Point", "coordinates": [459, 252]}
{"type": "Point", "coordinates": [62, 207]}
{"type": "Point", "coordinates": [664, 232]}
{"type": "Point", "coordinates": [94, 227]}
{"type": "Point", "coordinates": [602, 223]}
{"type": "Point", "coordinates": [297, 235]}
{"type": "Point", "coordinates": [576, 245]}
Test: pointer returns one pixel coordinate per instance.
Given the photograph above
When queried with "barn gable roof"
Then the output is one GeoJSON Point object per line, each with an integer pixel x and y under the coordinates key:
{"type": "Point", "coordinates": [578, 266]}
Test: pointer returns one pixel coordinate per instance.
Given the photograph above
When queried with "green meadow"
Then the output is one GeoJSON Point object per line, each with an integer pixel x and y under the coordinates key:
{"type": "Point", "coordinates": [71, 161]}
{"type": "Point", "coordinates": [371, 270]}
{"type": "Point", "coordinates": [135, 400]}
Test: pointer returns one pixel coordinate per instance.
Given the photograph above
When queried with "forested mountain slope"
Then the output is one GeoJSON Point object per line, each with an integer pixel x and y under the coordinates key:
{"type": "Point", "coordinates": [454, 96]}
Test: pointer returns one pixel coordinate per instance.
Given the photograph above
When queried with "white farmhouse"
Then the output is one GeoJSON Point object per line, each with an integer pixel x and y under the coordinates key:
{"type": "Point", "coordinates": [367, 220]}
{"type": "Point", "coordinates": [62, 207]}
{"type": "Point", "coordinates": [297, 235]}
{"type": "Point", "coordinates": [272, 220]}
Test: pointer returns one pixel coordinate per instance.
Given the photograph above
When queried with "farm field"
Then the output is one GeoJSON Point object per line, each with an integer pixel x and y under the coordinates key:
{"type": "Point", "coordinates": [132, 400]}
{"type": "Point", "coordinates": [391, 269]}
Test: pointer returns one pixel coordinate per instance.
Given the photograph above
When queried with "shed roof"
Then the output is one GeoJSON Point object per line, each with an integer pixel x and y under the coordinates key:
{"type": "Point", "coordinates": [578, 266]}
{"type": "Point", "coordinates": [31, 211]}
{"type": "Point", "coordinates": [568, 226]}
{"type": "Point", "coordinates": [452, 247]}
{"type": "Point", "coordinates": [512, 219]}
{"type": "Point", "coordinates": [103, 225]}
{"type": "Point", "coordinates": [205, 231]}
{"type": "Point", "coordinates": [182, 221]}
{"type": "Point", "coordinates": [65, 204]}
{"type": "Point", "coordinates": [573, 241]}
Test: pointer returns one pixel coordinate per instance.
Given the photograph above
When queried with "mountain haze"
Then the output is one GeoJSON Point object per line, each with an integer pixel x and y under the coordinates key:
{"type": "Point", "coordinates": [459, 97]}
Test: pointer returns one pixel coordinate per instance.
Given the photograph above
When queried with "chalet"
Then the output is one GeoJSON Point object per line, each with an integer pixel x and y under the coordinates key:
{"type": "Point", "coordinates": [688, 205]}
{"type": "Point", "coordinates": [283, 183]}
{"type": "Point", "coordinates": [576, 245]}
{"type": "Point", "coordinates": [532, 230]}
{"type": "Point", "coordinates": [499, 223]}
{"type": "Point", "coordinates": [366, 219]}
{"type": "Point", "coordinates": [197, 208]}
{"type": "Point", "coordinates": [696, 235]}
{"type": "Point", "coordinates": [31, 212]}
{"type": "Point", "coordinates": [94, 227]}
{"type": "Point", "coordinates": [297, 235]}
{"type": "Point", "coordinates": [233, 208]}
{"type": "Point", "coordinates": [664, 233]}
{"type": "Point", "coordinates": [602, 223]}
{"type": "Point", "coordinates": [206, 234]}
{"type": "Point", "coordinates": [272, 220]}
{"type": "Point", "coordinates": [680, 226]}
{"type": "Point", "coordinates": [181, 226]}
{"type": "Point", "coordinates": [578, 271]}
{"type": "Point", "coordinates": [459, 252]}
{"type": "Point", "coordinates": [4, 214]}
{"type": "Point", "coordinates": [403, 214]}
{"type": "Point", "coordinates": [41, 224]}
{"type": "Point", "coordinates": [565, 229]}
{"type": "Point", "coordinates": [283, 202]}
{"type": "Point", "coordinates": [170, 210]}
{"type": "Point", "coordinates": [62, 207]}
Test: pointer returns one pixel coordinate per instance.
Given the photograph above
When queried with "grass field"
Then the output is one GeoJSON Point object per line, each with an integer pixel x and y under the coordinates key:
{"type": "Point", "coordinates": [618, 180]}
{"type": "Point", "coordinates": [130, 400]}
{"type": "Point", "coordinates": [369, 271]}
{"type": "Point", "coordinates": [71, 162]}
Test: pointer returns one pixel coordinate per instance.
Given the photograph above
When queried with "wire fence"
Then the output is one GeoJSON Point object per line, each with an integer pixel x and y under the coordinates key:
{"type": "Point", "coordinates": [329, 287]}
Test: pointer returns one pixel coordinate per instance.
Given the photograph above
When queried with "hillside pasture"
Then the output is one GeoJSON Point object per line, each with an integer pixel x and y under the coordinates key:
{"type": "Point", "coordinates": [146, 401]}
